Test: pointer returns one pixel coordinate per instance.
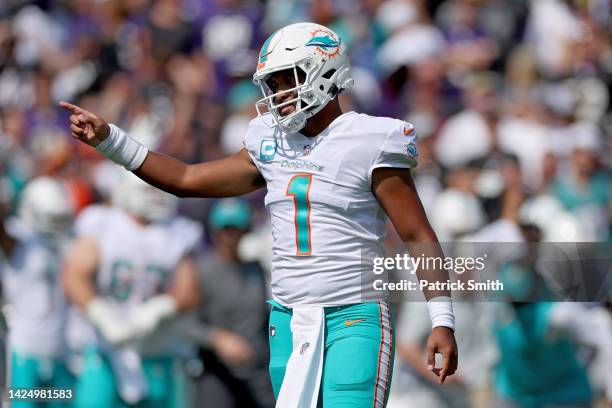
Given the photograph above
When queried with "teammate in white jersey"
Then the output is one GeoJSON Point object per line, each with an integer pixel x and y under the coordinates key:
{"type": "Point", "coordinates": [32, 248]}
{"type": "Point", "coordinates": [129, 271]}
{"type": "Point", "coordinates": [331, 177]}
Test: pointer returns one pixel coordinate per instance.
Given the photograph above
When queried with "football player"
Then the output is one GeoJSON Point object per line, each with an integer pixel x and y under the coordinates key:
{"type": "Point", "coordinates": [130, 270]}
{"type": "Point", "coordinates": [33, 250]}
{"type": "Point", "coordinates": [331, 176]}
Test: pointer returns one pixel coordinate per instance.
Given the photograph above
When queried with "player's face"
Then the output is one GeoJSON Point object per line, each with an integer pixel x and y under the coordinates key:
{"type": "Point", "coordinates": [281, 81]}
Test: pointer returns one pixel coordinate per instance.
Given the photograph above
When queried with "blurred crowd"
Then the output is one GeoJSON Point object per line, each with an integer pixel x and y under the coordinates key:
{"type": "Point", "coordinates": [510, 100]}
{"type": "Point", "coordinates": [485, 83]}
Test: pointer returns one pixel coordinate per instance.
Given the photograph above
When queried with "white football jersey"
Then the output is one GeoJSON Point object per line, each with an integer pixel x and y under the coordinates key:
{"type": "Point", "coordinates": [137, 261]}
{"type": "Point", "coordinates": [38, 306]}
{"type": "Point", "coordinates": [327, 225]}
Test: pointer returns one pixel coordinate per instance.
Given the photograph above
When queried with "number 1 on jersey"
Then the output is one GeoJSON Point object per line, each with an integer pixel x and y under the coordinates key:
{"type": "Point", "coordinates": [298, 188]}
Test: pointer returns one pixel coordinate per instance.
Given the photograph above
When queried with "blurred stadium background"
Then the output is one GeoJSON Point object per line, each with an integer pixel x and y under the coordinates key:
{"type": "Point", "coordinates": [510, 99]}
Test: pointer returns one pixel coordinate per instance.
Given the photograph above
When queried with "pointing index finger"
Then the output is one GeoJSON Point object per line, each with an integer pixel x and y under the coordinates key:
{"type": "Point", "coordinates": [72, 108]}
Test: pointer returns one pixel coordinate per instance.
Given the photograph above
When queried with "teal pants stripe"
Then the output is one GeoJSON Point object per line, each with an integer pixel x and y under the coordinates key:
{"type": "Point", "coordinates": [358, 356]}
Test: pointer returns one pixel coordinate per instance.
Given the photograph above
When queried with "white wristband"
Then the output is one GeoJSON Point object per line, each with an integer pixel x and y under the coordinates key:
{"type": "Point", "coordinates": [122, 149]}
{"type": "Point", "coordinates": [441, 312]}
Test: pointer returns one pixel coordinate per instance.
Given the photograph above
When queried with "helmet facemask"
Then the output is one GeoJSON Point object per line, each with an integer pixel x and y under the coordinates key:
{"type": "Point", "coordinates": [271, 112]}
{"type": "Point", "coordinates": [308, 101]}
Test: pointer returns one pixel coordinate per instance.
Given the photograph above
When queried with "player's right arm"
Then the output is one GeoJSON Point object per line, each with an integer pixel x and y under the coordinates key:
{"type": "Point", "coordinates": [78, 279]}
{"type": "Point", "coordinates": [232, 176]}
{"type": "Point", "coordinates": [79, 271]}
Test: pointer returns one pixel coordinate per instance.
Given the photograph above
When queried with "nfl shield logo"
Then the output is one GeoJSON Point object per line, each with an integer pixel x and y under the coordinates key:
{"type": "Point", "coordinates": [272, 331]}
{"type": "Point", "coordinates": [304, 347]}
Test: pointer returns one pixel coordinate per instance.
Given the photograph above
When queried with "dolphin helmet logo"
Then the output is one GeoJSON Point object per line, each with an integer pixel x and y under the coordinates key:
{"type": "Point", "coordinates": [412, 150]}
{"type": "Point", "coordinates": [325, 42]}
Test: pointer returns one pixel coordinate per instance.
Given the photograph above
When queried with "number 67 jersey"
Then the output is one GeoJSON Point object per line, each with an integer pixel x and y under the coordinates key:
{"type": "Point", "coordinates": [327, 224]}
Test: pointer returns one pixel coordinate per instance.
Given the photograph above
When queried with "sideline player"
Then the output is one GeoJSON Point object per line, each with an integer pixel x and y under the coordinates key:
{"type": "Point", "coordinates": [331, 177]}
{"type": "Point", "coordinates": [129, 271]}
{"type": "Point", "coordinates": [33, 251]}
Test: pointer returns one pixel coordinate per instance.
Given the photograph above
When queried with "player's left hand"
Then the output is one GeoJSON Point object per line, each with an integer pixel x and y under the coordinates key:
{"type": "Point", "coordinates": [442, 340]}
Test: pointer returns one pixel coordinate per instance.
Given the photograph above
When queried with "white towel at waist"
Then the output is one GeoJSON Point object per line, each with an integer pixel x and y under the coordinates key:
{"type": "Point", "coordinates": [300, 388]}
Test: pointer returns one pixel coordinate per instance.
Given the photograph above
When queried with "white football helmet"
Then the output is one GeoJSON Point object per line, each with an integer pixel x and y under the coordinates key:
{"type": "Point", "coordinates": [46, 207]}
{"type": "Point", "coordinates": [143, 200]}
{"type": "Point", "coordinates": [313, 49]}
